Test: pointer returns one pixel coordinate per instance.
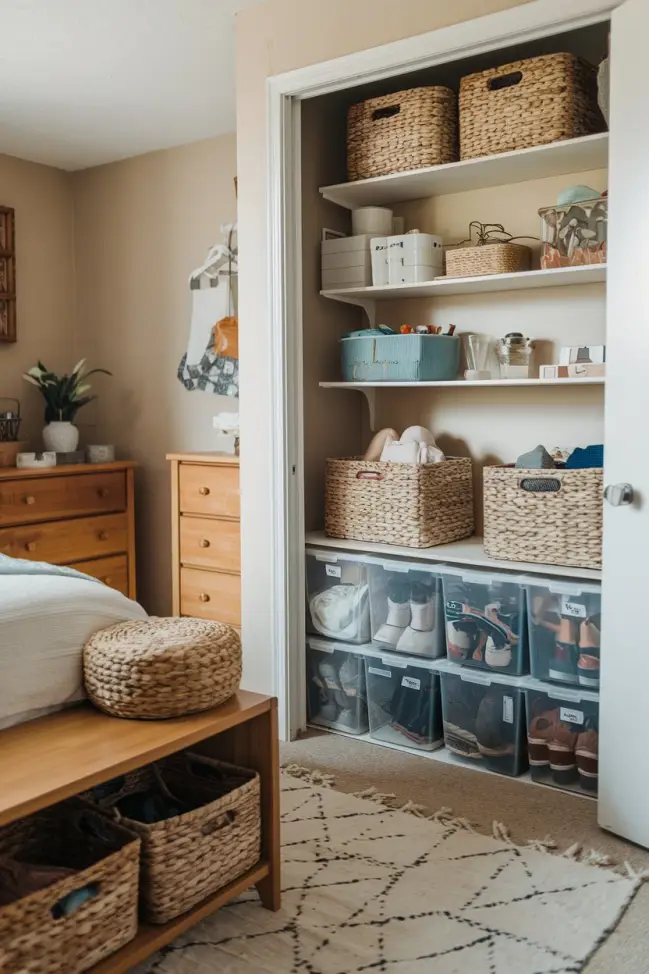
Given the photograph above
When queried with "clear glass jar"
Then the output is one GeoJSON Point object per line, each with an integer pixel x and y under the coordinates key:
{"type": "Point", "coordinates": [514, 353]}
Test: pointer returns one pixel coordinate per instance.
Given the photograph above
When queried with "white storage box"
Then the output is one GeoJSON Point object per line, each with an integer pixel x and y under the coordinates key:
{"type": "Point", "coordinates": [403, 701]}
{"type": "Point", "coordinates": [338, 604]}
{"type": "Point", "coordinates": [564, 622]}
{"type": "Point", "coordinates": [486, 626]}
{"type": "Point", "coordinates": [563, 736]}
{"type": "Point", "coordinates": [414, 257]}
{"type": "Point", "coordinates": [484, 717]}
{"type": "Point", "coordinates": [346, 262]}
{"type": "Point", "coordinates": [336, 696]}
{"type": "Point", "coordinates": [406, 608]}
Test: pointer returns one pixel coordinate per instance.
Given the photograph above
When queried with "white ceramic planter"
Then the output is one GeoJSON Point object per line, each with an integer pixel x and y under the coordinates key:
{"type": "Point", "coordinates": [61, 437]}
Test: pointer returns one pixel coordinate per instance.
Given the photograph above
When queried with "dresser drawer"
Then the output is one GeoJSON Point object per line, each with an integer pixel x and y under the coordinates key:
{"type": "Point", "coordinates": [63, 542]}
{"type": "Point", "coordinates": [112, 571]}
{"type": "Point", "coordinates": [210, 595]}
{"type": "Point", "coordinates": [47, 498]}
{"type": "Point", "coordinates": [209, 489]}
{"type": "Point", "coordinates": [210, 543]}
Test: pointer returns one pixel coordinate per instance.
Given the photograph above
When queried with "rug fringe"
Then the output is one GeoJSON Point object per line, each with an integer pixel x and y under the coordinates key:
{"type": "Point", "coordinates": [444, 816]}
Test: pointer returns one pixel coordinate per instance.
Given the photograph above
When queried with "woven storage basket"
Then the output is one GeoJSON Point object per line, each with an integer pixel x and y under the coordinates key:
{"type": "Point", "coordinates": [526, 103]}
{"type": "Point", "coordinates": [407, 130]}
{"type": "Point", "coordinates": [154, 668]}
{"type": "Point", "coordinates": [399, 503]}
{"type": "Point", "coordinates": [32, 939]}
{"type": "Point", "coordinates": [497, 258]}
{"type": "Point", "coordinates": [188, 857]}
{"type": "Point", "coordinates": [550, 516]}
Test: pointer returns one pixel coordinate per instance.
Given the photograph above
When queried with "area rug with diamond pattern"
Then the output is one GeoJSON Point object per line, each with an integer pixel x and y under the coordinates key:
{"type": "Point", "coordinates": [367, 888]}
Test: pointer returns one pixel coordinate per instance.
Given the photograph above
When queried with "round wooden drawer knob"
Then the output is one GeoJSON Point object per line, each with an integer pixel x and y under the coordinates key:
{"type": "Point", "coordinates": [102, 491]}
{"type": "Point", "coordinates": [204, 491]}
{"type": "Point", "coordinates": [29, 500]}
{"type": "Point", "coordinates": [30, 546]}
{"type": "Point", "coordinates": [203, 597]}
{"type": "Point", "coordinates": [203, 543]}
{"type": "Point", "coordinates": [107, 580]}
{"type": "Point", "coordinates": [103, 535]}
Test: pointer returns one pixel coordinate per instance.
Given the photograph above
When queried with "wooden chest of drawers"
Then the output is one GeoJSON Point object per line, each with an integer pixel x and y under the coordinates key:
{"type": "Point", "coordinates": [81, 515]}
{"type": "Point", "coordinates": [206, 541]}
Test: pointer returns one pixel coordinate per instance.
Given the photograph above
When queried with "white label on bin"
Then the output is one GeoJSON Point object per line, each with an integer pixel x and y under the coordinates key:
{"type": "Point", "coordinates": [571, 716]}
{"type": "Point", "coordinates": [573, 609]}
{"type": "Point", "coordinates": [334, 571]}
{"type": "Point", "coordinates": [411, 683]}
{"type": "Point", "coordinates": [377, 672]}
{"type": "Point", "coordinates": [508, 710]}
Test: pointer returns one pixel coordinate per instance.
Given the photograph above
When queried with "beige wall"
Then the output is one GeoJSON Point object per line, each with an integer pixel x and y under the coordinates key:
{"type": "Point", "coordinates": [274, 37]}
{"type": "Point", "coordinates": [42, 199]}
{"type": "Point", "coordinates": [141, 226]}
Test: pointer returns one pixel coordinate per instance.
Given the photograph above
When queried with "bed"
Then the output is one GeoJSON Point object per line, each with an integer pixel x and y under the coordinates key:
{"type": "Point", "coordinates": [46, 615]}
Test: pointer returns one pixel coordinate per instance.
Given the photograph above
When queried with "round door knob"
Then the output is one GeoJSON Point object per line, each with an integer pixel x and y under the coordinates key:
{"type": "Point", "coordinates": [203, 543]}
{"type": "Point", "coordinates": [103, 491]}
{"type": "Point", "coordinates": [30, 500]}
{"type": "Point", "coordinates": [30, 546]}
{"type": "Point", "coordinates": [203, 597]}
{"type": "Point", "coordinates": [107, 580]}
{"type": "Point", "coordinates": [204, 491]}
{"type": "Point", "coordinates": [619, 495]}
{"type": "Point", "coordinates": [103, 535]}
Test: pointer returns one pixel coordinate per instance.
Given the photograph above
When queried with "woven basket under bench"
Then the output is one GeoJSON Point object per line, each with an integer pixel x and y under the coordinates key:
{"type": "Point", "coordinates": [36, 935]}
{"type": "Point", "coordinates": [549, 516]}
{"type": "Point", "coordinates": [190, 856]}
{"type": "Point", "coordinates": [399, 503]}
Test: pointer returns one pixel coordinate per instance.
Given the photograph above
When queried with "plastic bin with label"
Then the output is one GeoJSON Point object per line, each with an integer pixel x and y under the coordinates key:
{"type": "Point", "coordinates": [338, 601]}
{"type": "Point", "coordinates": [403, 701]}
{"type": "Point", "coordinates": [484, 717]}
{"type": "Point", "coordinates": [406, 608]}
{"type": "Point", "coordinates": [564, 622]}
{"type": "Point", "coordinates": [336, 693]}
{"type": "Point", "coordinates": [485, 615]}
{"type": "Point", "coordinates": [563, 736]}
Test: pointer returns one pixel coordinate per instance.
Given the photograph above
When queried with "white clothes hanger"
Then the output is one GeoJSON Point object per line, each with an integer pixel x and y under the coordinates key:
{"type": "Point", "coordinates": [220, 260]}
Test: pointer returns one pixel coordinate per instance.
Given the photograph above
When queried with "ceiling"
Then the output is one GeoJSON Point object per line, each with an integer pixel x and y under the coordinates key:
{"type": "Point", "coordinates": [84, 82]}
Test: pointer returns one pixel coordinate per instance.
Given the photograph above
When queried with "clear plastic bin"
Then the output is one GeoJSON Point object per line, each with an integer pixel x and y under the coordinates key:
{"type": "Point", "coordinates": [406, 608]}
{"type": "Point", "coordinates": [564, 621]}
{"type": "Point", "coordinates": [485, 616]}
{"type": "Point", "coordinates": [403, 701]}
{"type": "Point", "coordinates": [338, 601]}
{"type": "Point", "coordinates": [484, 717]}
{"type": "Point", "coordinates": [336, 694]}
{"type": "Point", "coordinates": [563, 736]}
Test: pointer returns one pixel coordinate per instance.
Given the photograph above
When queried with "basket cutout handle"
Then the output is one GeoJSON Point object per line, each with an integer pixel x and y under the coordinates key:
{"type": "Point", "coordinates": [369, 475]}
{"type": "Point", "coordinates": [505, 81]}
{"type": "Point", "coordinates": [67, 905]}
{"type": "Point", "coordinates": [388, 112]}
{"type": "Point", "coordinates": [219, 822]}
{"type": "Point", "coordinates": [540, 485]}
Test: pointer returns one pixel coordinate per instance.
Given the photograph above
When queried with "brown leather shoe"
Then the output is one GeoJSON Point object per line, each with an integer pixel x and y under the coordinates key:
{"type": "Point", "coordinates": [562, 753]}
{"type": "Point", "coordinates": [586, 754]}
{"type": "Point", "coordinates": [540, 730]}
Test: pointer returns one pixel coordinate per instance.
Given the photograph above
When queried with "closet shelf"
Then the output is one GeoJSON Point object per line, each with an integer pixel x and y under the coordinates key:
{"type": "Point", "coordinates": [462, 384]}
{"type": "Point", "coordinates": [555, 159]}
{"type": "Point", "coordinates": [470, 551]}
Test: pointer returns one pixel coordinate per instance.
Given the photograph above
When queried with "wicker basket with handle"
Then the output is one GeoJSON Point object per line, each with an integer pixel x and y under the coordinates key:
{"type": "Point", "coordinates": [407, 130]}
{"type": "Point", "coordinates": [549, 516]}
{"type": "Point", "coordinates": [399, 503]}
{"type": "Point", "coordinates": [527, 103]}
{"type": "Point", "coordinates": [42, 932]}
{"type": "Point", "coordinates": [187, 857]}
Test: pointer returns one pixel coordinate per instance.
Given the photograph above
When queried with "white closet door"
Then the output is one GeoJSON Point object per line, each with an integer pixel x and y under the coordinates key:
{"type": "Point", "coordinates": [624, 727]}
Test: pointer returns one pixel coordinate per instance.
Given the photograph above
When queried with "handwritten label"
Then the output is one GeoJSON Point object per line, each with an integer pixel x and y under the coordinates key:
{"type": "Point", "coordinates": [573, 609]}
{"type": "Point", "coordinates": [333, 571]}
{"type": "Point", "coordinates": [571, 716]}
{"type": "Point", "coordinates": [508, 710]}
{"type": "Point", "coordinates": [411, 683]}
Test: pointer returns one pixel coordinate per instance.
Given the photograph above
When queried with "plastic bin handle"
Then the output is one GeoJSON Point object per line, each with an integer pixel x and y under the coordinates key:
{"type": "Point", "coordinates": [369, 475]}
{"type": "Point", "coordinates": [540, 485]}
{"type": "Point", "coordinates": [505, 81]}
{"type": "Point", "coordinates": [388, 112]}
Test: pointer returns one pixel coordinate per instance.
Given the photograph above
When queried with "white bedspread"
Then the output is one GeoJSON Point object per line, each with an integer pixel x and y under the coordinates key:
{"type": "Point", "coordinates": [44, 622]}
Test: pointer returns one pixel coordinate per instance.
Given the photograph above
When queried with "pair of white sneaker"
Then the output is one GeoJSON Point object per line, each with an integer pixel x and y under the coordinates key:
{"type": "Point", "coordinates": [409, 627]}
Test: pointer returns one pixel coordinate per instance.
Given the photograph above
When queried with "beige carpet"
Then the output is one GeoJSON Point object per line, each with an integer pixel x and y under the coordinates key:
{"type": "Point", "coordinates": [529, 811]}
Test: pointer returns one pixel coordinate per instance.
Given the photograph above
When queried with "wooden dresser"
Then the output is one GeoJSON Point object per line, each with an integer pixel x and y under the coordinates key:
{"type": "Point", "coordinates": [80, 515]}
{"type": "Point", "coordinates": [206, 541]}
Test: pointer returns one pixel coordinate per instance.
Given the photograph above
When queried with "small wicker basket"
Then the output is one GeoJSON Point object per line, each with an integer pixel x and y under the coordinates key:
{"type": "Point", "coordinates": [154, 668]}
{"type": "Point", "coordinates": [494, 258]}
{"type": "Point", "coordinates": [36, 936]}
{"type": "Point", "coordinates": [527, 103]}
{"type": "Point", "coordinates": [399, 503]}
{"type": "Point", "coordinates": [549, 516]}
{"type": "Point", "coordinates": [188, 857]}
{"type": "Point", "coordinates": [407, 130]}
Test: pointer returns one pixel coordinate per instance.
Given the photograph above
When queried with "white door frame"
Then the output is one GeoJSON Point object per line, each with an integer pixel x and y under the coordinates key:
{"type": "Point", "coordinates": [527, 22]}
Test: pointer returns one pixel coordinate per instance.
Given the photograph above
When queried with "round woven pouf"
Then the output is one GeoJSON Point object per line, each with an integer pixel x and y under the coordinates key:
{"type": "Point", "coordinates": [154, 668]}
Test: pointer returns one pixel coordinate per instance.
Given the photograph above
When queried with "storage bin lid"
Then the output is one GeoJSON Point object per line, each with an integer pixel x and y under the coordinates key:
{"type": "Point", "coordinates": [483, 576]}
{"type": "Point", "coordinates": [399, 661]}
{"type": "Point", "coordinates": [332, 555]}
{"type": "Point", "coordinates": [559, 693]}
{"type": "Point", "coordinates": [561, 586]}
{"type": "Point", "coordinates": [332, 646]}
{"type": "Point", "coordinates": [396, 565]}
{"type": "Point", "coordinates": [483, 677]}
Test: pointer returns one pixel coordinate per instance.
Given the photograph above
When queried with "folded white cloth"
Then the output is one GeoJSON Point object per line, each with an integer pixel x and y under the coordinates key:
{"type": "Point", "coordinates": [417, 445]}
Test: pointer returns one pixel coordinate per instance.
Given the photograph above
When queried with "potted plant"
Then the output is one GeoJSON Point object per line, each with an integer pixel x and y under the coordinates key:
{"type": "Point", "coordinates": [64, 396]}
